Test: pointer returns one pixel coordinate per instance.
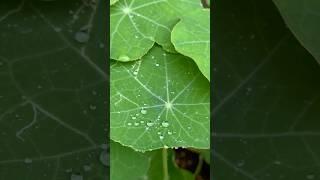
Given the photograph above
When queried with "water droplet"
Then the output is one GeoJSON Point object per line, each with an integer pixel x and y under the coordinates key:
{"type": "Point", "coordinates": [136, 124]}
{"type": "Point", "coordinates": [57, 29]}
{"type": "Point", "coordinates": [129, 124]}
{"type": "Point", "coordinates": [165, 124]}
{"type": "Point", "coordinates": [161, 137]}
{"type": "Point", "coordinates": [150, 124]}
{"type": "Point", "coordinates": [143, 111]}
{"type": "Point", "coordinates": [82, 37]}
{"type": "Point", "coordinates": [104, 158]}
{"type": "Point", "coordinates": [76, 177]}
{"type": "Point", "coordinates": [310, 176]}
{"type": "Point", "coordinates": [152, 57]}
{"type": "Point", "coordinates": [133, 117]}
{"type": "Point", "coordinates": [101, 45]}
{"type": "Point", "coordinates": [87, 168]}
{"type": "Point", "coordinates": [27, 160]}
{"type": "Point", "coordinates": [135, 73]}
{"type": "Point", "coordinates": [92, 107]}
{"type": "Point", "coordinates": [141, 121]}
{"type": "Point", "coordinates": [169, 132]}
{"type": "Point", "coordinates": [157, 64]}
{"type": "Point", "coordinates": [277, 162]}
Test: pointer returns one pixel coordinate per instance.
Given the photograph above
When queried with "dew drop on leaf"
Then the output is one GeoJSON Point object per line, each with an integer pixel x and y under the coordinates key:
{"type": "Point", "coordinates": [129, 124]}
{"type": "Point", "coordinates": [87, 168]}
{"type": "Point", "coordinates": [124, 58]}
{"type": "Point", "coordinates": [165, 124]}
{"type": "Point", "coordinates": [143, 111]}
{"type": "Point", "coordinates": [76, 177]}
{"type": "Point", "coordinates": [161, 137]}
{"type": "Point", "coordinates": [136, 124]}
{"type": "Point", "coordinates": [104, 158]}
{"type": "Point", "coordinates": [82, 37]}
{"type": "Point", "coordinates": [27, 160]}
{"type": "Point", "coordinates": [149, 124]}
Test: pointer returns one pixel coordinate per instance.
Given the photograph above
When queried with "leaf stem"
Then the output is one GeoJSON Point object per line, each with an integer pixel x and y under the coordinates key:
{"type": "Point", "coordinates": [165, 164]}
{"type": "Point", "coordinates": [199, 166]}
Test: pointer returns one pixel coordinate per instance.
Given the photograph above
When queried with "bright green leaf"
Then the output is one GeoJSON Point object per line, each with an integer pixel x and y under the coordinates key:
{"type": "Point", "coordinates": [113, 2]}
{"type": "Point", "coordinates": [303, 17]}
{"type": "Point", "coordinates": [136, 25]}
{"type": "Point", "coordinates": [160, 100]}
{"type": "Point", "coordinates": [191, 37]}
{"type": "Point", "coordinates": [128, 164]}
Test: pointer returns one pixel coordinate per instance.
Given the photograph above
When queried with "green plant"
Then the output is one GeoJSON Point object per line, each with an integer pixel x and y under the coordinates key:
{"type": "Point", "coordinates": [266, 90]}
{"type": "Point", "coordinates": [160, 90]}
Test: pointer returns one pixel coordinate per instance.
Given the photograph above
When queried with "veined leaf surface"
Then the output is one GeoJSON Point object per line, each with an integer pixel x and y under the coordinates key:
{"type": "Point", "coordinates": [191, 37]}
{"type": "Point", "coordinates": [266, 111]}
{"type": "Point", "coordinates": [303, 17]}
{"type": "Point", "coordinates": [52, 90]}
{"type": "Point", "coordinates": [159, 101]}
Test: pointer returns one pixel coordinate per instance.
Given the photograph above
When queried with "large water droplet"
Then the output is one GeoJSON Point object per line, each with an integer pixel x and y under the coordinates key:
{"type": "Point", "coordinates": [27, 160]}
{"type": "Point", "coordinates": [82, 37]}
{"type": "Point", "coordinates": [143, 111]}
{"type": "Point", "coordinates": [76, 177]}
{"type": "Point", "coordinates": [123, 58]}
{"type": "Point", "coordinates": [165, 124]}
{"type": "Point", "coordinates": [133, 117]}
{"type": "Point", "coordinates": [136, 124]}
{"type": "Point", "coordinates": [93, 107]}
{"type": "Point", "coordinates": [129, 124]}
{"type": "Point", "coordinates": [104, 158]}
{"type": "Point", "coordinates": [87, 168]}
{"type": "Point", "coordinates": [150, 124]}
{"type": "Point", "coordinates": [161, 137]}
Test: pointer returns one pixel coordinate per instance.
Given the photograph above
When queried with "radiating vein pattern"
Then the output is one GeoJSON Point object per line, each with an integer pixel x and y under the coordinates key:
{"type": "Point", "coordinates": [52, 90]}
{"type": "Point", "coordinates": [155, 104]}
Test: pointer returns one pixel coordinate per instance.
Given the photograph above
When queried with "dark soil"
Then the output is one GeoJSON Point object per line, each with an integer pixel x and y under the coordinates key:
{"type": "Point", "coordinates": [189, 160]}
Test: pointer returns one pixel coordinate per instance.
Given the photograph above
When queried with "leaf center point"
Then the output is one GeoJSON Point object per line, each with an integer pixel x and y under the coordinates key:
{"type": "Point", "coordinates": [168, 105]}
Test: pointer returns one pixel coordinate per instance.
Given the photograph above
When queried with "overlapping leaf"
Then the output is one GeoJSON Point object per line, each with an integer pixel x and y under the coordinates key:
{"type": "Point", "coordinates": [303, 17]}
{"type": "Point", "coordinates": [160, 100]}
{"type": "Point", "coordinates": [137, 25]}
{"type": "Point", "coordinates": [266, 115]}
{"type": "Point", "coordinates": [128, 164]}
{"type": "Point", "coordinates": [191, 37]}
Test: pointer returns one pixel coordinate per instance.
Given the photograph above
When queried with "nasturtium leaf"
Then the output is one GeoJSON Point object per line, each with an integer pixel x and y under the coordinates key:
{"type": "Point", "coordinates": [160, 100]}
{"type": "Point", "coordinates": [135, 25]}
{"type": "Point", "coordinates": [52, 90]}
{"type": "Point", "coordinates": [113, 2]}
{"type": "Point", "coordinates": [266, 94]}
{"type": "Point", "coordinates": [303, 17]}
{"type": "Point", "coordinates": [157, 172]}
{"type": "Point", "coordinates": [191, 37]}
{"type": "Point", "coordinates": [129, 164]}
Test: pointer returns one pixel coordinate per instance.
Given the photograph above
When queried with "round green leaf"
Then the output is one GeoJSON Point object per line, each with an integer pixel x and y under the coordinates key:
{"type": "Point", "coordinates": [136, 25]}
{"type": "Point", "coordinates": [128, 164]}
{"type": "Point", "coordinates": [160, 100]}
{"type": "Point", "coordinates": [191, 37]}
